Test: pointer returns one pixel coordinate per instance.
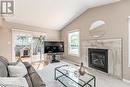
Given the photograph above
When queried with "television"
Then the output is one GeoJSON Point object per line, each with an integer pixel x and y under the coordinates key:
{"type": "Point", "coordinates": [53, 46]}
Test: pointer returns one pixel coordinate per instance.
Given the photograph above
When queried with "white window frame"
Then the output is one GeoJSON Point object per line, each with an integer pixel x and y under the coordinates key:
{"type": "Point", "coordinates": [19, 31]}
{"type": "Point", "coordinates": [129, 41]}
{"type": "Point", "coordinates": [77, 55]}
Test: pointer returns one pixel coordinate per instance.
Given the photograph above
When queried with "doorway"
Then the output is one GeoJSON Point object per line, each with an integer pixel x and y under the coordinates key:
{"type": "Point", "coordinates": [26, 45]}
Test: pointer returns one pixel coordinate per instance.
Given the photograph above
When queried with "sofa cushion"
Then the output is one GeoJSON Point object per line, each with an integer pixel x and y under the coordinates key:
{"type": "Point", "coordinates": [18, 70]}
{"type": "Point", "coordinates": [13, 82]}
{"type": "Point", "coordinates": [27, 65]}
{"type": "Point", "coordinates": [36, 80]}
{"type": "Point", "coordinates": [31, 70]}
{"type": "Point", "coordinates": [33, 76]}
{"type": "Point", "coordinates": [28, 80]}
{"type": "Point", "coordinates": [3, 70]}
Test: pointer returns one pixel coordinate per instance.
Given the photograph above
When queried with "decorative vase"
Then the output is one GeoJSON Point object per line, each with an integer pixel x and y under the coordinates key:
{"type": "Point", "coordinates": [82, 69]}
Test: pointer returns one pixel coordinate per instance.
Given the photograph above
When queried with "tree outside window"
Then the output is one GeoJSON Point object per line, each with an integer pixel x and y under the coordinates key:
{"type": "Point", "coordinates": [73, 43]}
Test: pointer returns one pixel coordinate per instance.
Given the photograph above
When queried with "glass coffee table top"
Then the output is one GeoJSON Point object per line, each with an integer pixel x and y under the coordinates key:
{"type": "Point", "coordinates": [70, 77]}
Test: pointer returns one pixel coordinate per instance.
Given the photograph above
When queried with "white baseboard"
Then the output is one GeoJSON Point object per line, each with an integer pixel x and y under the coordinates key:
{"type": "Point", "coordinates": [127, 81]}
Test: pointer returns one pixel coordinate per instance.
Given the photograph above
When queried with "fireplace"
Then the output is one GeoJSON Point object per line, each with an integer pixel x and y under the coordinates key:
{"type": "Point", "coordinates": [98, 59]}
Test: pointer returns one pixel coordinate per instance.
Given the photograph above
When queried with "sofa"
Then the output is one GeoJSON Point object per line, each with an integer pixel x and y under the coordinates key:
{"type": "Point", "coordinates": [32, 77]}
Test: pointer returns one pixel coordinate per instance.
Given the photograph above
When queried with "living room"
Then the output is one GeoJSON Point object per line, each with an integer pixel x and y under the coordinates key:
{"type": "Point", "coordinates": [92, 38]}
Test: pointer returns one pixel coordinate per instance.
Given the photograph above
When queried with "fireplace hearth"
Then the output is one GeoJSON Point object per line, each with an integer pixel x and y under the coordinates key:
{"type": "Point", "coordinates": [98, 59]}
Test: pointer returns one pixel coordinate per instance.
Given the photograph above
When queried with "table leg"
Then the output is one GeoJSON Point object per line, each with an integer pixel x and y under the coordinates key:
{"type": "Point", "coordinates": [94, 82]}
{"type": "Point", "coordinates": [55, 75]}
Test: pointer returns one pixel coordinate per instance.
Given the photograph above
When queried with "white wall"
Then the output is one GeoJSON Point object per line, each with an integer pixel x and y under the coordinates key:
{"type": "Point", "coordinates": [6, 36]}
{"type": "Point", "coordinates": [116, 17]}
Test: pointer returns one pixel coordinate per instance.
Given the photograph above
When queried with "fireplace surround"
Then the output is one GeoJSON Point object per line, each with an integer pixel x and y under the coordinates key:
{"type": "Point", "coordinates": [98, 59]}
{"type": "Point", "coordinates": [114, 47]}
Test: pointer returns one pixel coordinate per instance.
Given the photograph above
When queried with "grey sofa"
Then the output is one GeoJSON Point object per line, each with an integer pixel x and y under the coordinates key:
{"type": "Point", "coordinates": [33, 79]}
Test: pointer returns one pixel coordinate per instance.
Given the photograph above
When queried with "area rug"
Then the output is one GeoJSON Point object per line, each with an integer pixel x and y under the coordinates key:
{"type": "Point", "coordinates": [47, 75]}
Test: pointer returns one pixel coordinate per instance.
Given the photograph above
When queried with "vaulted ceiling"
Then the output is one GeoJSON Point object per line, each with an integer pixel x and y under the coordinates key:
{"type": "Point", "coordinates": [51, 14]}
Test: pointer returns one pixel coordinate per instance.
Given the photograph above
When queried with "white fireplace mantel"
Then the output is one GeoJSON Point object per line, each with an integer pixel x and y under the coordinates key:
{"type": "Point", "coordinates": [114, 47]}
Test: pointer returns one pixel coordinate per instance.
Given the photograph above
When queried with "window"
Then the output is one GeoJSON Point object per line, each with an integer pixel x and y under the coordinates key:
{"type": "Point", "coordinates": [129, 39]}
{"type": "Point", "coordinates": [74, 43]}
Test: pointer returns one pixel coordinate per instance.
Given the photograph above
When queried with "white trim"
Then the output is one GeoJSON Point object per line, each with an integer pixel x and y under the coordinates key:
{"type": "Point", "coordinates": [18, 31]}
{"type": "Point", "coordinates": [13, 46]}
{"type": "Point", "coordinates": [35, 33]}
{"type": "Point", "coordinates": [128, 41]}
{"type": "Point", "coordinates": [125, 80]}
{"type": "Point", "coordinates": [74, 30]}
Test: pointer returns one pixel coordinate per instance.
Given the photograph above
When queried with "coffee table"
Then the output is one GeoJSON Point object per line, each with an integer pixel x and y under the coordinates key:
{"type": "Point", "coordinates": [69, 76]}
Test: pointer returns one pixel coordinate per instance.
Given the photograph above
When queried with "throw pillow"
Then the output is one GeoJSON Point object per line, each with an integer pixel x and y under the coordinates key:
{"type": "Point", "coordinates": [13, 82]}
{"type": "Point", "coordinates": [18, 70]}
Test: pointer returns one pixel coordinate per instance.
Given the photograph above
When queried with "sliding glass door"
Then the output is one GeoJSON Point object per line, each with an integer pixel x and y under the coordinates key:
{"type": "Point", "coordinates": [27, 46]}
